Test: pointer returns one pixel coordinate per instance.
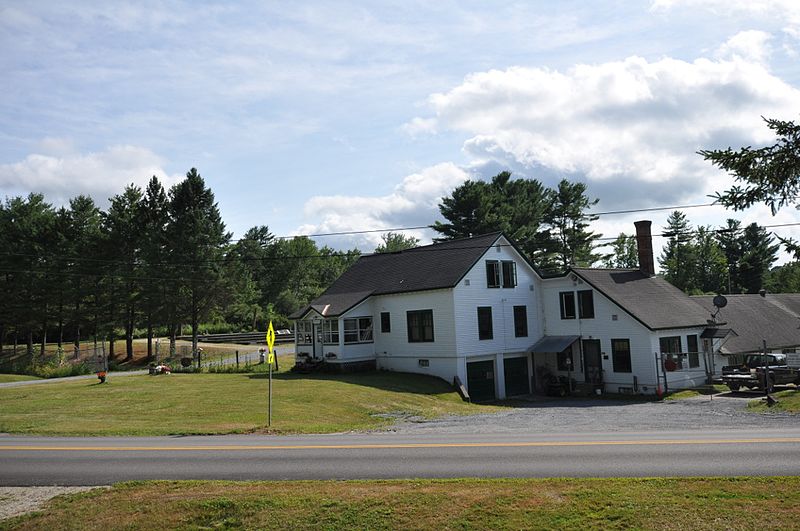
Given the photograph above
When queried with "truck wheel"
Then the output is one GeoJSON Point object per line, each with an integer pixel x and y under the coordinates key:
{"type": "Point", "coordinates": [733, 386]}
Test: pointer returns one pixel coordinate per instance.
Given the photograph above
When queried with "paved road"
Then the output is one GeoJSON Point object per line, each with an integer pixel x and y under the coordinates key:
{"type": "Point", "coordinates": [98, 461]}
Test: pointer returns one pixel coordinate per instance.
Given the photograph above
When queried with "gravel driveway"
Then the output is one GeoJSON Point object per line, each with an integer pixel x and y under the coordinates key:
{"type": "Point", "coordinates": [588, 415]}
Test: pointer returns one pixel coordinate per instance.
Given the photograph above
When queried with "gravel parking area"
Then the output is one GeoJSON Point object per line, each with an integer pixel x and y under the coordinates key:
{"type": "Point", "coordinates": [541, 415]}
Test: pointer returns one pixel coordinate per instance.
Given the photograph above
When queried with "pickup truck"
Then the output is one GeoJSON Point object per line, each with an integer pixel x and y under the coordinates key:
{"type": "Point", "coordinates": [751, 373]}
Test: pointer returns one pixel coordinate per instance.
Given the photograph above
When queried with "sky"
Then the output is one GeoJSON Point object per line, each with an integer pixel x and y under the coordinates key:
{"type": "Point", "coordinates": [318, 117]}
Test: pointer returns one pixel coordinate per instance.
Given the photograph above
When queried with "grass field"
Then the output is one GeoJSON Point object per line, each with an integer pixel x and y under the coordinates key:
{"type": "Point", "coordinates": [694, 503]}
{"type": "Point", "coordinates": [788, 402]}
{"type": "Point", "coordinates": [16, 378]}
{"type": "Point", "coordinates": [226, 403]}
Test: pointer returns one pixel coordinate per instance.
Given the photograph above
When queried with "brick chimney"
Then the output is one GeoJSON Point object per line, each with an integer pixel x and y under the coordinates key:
{"type": "Point", "coordinates": [644, 246]}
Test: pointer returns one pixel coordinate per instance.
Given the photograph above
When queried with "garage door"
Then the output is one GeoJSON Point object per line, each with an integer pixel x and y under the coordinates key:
{"type": "Point", "coordinates": [516, 373]}
{"type": "Point", "coordinates": [480, 380]}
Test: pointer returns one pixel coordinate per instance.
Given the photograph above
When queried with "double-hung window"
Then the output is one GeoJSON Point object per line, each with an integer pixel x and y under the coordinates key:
{"type": "Point", "coordinates": [492, 274]}
{"type": "Point", "coordinates": [566, 300]}
{"type": "Point", "coordinates": [386, 323]}
{"type": "Point", "coordinates": [621, 354]}
{"type": "Point", "coordinates": [520, 321]}
{"type": "Point", "coordinates": [358, 330]}
{"type": "Point", "coordinates": [509, 268]}
{"type": "Point", "coordinates": [420, 326]}
{"type": "Point", "coordinates": [586, 304]}
{"type": "Point", "coordinates": [485, 322]}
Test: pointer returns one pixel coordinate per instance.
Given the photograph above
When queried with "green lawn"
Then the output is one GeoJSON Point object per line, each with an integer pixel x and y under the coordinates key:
{"type": "Point", "coordinates": [788, 401]}
{"type": "Point", "coordinates": [684, 503]}
{"type": "Point", "coordinates": [16, 377]}
{"type": "Point", "coordinates": [703, 390]}
{"type": "Point", "coordinates": [226, 403]}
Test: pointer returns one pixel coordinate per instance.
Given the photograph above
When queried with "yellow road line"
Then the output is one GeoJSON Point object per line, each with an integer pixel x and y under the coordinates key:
{"type": "Point", "coordinates": [238, 448]}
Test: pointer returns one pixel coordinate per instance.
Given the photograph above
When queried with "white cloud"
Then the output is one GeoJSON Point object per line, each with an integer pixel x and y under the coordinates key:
{"type": "Point", "coordinates": [61, 175]}
{"type": "Point", "coordinates": [631, 128]}
{"type": "Point", "coordinates": [751, 45]}
{"type": "Point", "coordinates": [413, 202]}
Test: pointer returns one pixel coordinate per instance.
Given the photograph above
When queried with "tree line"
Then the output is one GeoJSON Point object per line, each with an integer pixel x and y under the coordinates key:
{"type": "Point", "coordinates": [154, 260]}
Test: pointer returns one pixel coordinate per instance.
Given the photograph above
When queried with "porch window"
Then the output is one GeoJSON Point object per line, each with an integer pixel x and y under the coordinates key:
{"type": "Point", "coordinates": [566, 300]}
{"type": "Point", "coordinates": [485, 322]}
{"type": "Point", "coordinates": [621, 354]}
{"type": "Point", "coordinates": [303, 332]}
{"type": "Point", "coordinates": [691, 347]}
{"type": "Point", "coordinates": [420, 326]}
{"type": "Point", "coordinates": [358, 330]}
{"type": "Point", "coordinates": [330, 331]}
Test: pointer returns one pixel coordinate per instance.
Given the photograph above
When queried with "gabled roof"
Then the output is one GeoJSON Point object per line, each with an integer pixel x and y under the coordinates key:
{"type": "Point", "coordinates": [755, 318]}
{"type": "Point", "coordinates": [652, 301]}
{"type": "Point", "coordinates": [436, 266]}
{"type": "Point", "coordinates": [787, 301]}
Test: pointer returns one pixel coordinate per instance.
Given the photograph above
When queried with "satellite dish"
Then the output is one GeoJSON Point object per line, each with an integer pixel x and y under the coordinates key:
{"type": "Point", "coordinates": [720, 301]}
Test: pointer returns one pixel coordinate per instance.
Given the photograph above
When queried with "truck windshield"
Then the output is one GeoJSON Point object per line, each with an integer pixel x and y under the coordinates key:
{"type": "Point", "coordinates": [757, 360]}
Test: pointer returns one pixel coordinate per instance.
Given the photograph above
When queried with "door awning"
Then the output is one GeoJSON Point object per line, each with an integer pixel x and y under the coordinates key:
{"type": "Point", "coordinates": [553, 343]}
{"type": "Point", "coordinates": [716, 333]}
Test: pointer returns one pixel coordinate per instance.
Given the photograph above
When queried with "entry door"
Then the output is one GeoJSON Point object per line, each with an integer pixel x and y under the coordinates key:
{"type": "Point", "coordinates": [592, 361]}
{"type": "Point", "coordinates": [317, 335]}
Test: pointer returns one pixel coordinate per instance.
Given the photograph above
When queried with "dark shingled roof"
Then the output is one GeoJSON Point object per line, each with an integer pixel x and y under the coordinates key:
{"type": "Point", "coordinates": [755, 318]}
{"type": "Point", "coordinates": [652, 301]}
{"type": "Point", "coordinates": [440, 265]}
{"type": "Point", "coordinates": [788, 301]}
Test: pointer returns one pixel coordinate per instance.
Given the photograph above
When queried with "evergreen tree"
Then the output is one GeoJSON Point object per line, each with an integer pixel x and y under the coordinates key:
{"type": "Point", "coordinates": [83, 235]}
{"type": "Point", "coordinates": [711, 267]}
{"type": "Point", "coordinates": [123, 225]}
{"type": "Point", "coordinates": [158, 298]}
{"type": "Point", "coordinates": [729, 240]}
{"type": "Point", "coordinates": [549, 226]}
{"type": "Point", "coordinates": [197, 235]}
{"type": "Point", "coordinates": [571, 244]}
{"type": "Point", "coordinates": [624, 254]}
{"type": "Point", "coordinates": [679, 258]}
{"type": "Point", "coordinates": [759, 254]}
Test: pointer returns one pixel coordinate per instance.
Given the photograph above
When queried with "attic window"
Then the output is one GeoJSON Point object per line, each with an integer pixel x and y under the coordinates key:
{"type": "Point", "coordinates": [466, 282]}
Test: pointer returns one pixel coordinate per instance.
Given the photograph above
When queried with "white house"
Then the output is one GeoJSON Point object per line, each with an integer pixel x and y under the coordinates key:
{"type": "Point", "coordinates": [475, 309]}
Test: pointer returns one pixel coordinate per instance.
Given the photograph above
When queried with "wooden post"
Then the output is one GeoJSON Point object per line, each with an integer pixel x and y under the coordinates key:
{"type": "Point", "coordinates": [237, 359]}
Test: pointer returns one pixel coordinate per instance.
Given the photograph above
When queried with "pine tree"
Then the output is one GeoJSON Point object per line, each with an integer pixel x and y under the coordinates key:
{"type": "Point", "coordinates": [757, 259]}
{"type": "Point", "coordinates": [624, 254]}
{"type": "Point", "coordinates": [197, 235]}
{"type": "Point", "coordinates": [678, 258]}
{"type": "Point", "coordinates": [571, 244]}
{"type": "Point", "coordinates": [711, 266]}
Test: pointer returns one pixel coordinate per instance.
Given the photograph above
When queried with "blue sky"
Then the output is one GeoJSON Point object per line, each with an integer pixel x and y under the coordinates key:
{"type": "Point", "coordinates": [335, 116]}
